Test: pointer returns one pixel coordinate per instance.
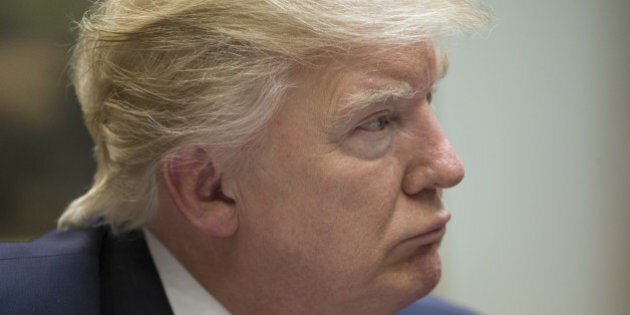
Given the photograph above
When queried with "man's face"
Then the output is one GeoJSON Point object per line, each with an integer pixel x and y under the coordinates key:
{"type": "Point", "coordinates": [342, 203]}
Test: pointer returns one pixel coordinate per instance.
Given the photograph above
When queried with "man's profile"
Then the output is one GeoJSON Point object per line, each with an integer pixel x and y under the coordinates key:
{"type": "Point", "coordinates": [254, 157]}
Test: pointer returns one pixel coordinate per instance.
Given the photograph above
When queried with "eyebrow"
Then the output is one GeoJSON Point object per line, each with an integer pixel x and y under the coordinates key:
{"type": "Point", "coordinates": [359, 102]}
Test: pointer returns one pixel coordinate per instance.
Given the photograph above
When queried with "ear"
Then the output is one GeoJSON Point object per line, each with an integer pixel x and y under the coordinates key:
{"type": "Point", "coordinates": [194, 183]}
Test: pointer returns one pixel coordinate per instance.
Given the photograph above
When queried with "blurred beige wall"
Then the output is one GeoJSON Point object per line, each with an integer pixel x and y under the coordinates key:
{"type": "Point", "coordinates": [539, 111]}
{"type": "Point", "coordinates": [45, 155]}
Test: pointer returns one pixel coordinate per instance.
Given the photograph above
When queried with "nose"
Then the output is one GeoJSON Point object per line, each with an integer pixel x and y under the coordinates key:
{"type": "Point", "coordinates": [434, 163]}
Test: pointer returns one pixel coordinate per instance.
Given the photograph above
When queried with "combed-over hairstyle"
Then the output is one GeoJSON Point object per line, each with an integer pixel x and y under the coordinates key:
{"type": "Point", "coordinates": [153, 76]}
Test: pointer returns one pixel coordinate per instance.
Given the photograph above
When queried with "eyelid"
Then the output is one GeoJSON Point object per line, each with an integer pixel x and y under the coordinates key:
{"type": "Point", "coordinates": [380, 121]}
{"type": "Point", "coordinates": [388, 114]}
{"type": "Point", "coordinates": [374, 115]}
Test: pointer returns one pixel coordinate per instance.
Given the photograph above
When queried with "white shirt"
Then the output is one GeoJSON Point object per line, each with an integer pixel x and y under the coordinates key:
{"type": "Point", "coordinates": [184, 293]}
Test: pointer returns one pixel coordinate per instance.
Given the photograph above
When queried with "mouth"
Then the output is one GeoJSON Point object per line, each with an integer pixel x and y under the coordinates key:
{"type": "Point", "coordinates": [433, 233]}
{"type": "Point", "coordinates": [423, 242]}
{"type": "Point", "coordinates": [429, 238]}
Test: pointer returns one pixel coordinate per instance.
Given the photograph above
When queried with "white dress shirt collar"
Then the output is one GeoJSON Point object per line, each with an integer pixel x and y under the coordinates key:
{"type": "Point", "coordinates": [184, 293]}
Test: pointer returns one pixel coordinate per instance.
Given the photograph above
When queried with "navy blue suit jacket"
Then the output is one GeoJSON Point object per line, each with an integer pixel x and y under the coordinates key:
{"type": "Point", "coordinates": [91, 271]}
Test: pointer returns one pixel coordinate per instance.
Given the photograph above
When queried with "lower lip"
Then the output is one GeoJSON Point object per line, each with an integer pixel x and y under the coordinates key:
{"type": "Point", "coordinates": [420, 245]}
{"type": "Point", "coordinates": [428, 238]}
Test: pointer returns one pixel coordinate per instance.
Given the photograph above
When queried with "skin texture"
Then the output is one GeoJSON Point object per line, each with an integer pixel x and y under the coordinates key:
{"type": "Point", "coordinates": [338, 212]}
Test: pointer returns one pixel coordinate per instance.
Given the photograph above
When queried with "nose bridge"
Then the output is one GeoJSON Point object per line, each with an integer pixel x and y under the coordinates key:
{"type": "Point", "coordinates": [434, 162]}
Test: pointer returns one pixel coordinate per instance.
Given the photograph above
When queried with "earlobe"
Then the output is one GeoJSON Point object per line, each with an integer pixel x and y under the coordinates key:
{"type": "Point", "coordinates": [194, 183]}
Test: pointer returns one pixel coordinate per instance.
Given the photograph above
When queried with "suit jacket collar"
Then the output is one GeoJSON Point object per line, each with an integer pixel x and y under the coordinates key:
{"type": "Point", "coordinates": [129, 282]}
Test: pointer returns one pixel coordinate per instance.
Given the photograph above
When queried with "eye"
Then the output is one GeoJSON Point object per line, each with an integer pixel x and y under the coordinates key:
{"type": "Point", "coordinates": [430, 97]}
{"type": "Point", "coordinates": [376, 124]}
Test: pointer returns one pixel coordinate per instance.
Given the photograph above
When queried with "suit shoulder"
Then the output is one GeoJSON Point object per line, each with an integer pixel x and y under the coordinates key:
{"type": "Point", "coordinates": [57, 271]}
{"type": "Point", "coordinates": [55, 243]}
{"type": "Point", "coordinates": [434, 306]}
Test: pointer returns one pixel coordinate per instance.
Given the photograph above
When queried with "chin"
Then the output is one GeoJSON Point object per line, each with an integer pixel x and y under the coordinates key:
{"type": "Point", "coordinates": [399, 284]}
{"type": "Point", "coordinates": [422, 275]}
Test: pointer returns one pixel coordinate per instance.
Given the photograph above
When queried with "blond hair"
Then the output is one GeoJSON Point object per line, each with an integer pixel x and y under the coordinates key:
{"type": "Point", "coordinates": [155, 75]}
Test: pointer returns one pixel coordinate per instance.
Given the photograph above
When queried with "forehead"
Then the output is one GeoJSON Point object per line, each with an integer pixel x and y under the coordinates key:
{"type": "Point", "coordinates": [411, 64]}
{"type": "Point", "coordinates": [329, 90]}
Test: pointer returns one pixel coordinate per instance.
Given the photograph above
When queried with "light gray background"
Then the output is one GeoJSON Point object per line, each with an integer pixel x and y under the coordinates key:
{"type": "Point", "coordinates": [538, 110]}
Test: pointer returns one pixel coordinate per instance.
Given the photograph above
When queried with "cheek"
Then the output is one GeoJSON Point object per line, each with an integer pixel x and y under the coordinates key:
{"type": "Point", "coordinates": [345, 208]}
{"type": "Point", "coordinates": [365, 194]}
{"type": "Point", "coordinates": [327, 213]}
{"type": "Point", "coordinates": [326, 201]}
